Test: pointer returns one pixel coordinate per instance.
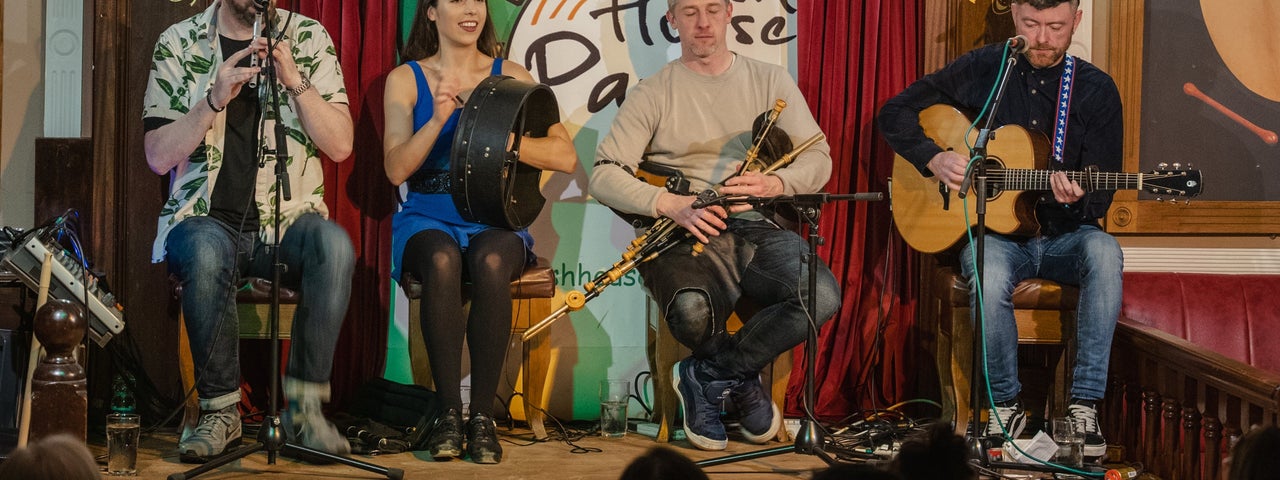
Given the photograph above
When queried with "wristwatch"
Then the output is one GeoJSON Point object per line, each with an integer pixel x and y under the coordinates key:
{"type": "Point", "coordinates": [302, 87]}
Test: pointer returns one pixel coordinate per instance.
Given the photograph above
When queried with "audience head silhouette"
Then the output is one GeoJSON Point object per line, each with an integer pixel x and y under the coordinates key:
{"type": "Point", "coordinates": [661, 463]}
{"type": "Point", "coordinates": [935, 454]}
{"type": "Point", "coordinates": [851, 471]}
{"type": "Point", "coordinates": [1256, 455]}
{"type": "Point", "coordinates": [58, 457]}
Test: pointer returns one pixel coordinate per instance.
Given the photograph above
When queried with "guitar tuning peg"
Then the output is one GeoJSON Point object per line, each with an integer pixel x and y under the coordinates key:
{"type": "Point", "coordinates": [1188, 165]}
{"type": "Point", "coordinates": [1173, 201]}
{"type": "Point", "coordinates": [1158, 199]}
{"type": "Point", "coordinates": [1162, 166]}
{"type": "Point", "coordinates": [1177, 166]}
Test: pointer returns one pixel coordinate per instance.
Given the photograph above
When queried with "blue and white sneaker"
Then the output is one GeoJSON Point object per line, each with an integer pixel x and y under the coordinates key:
{"type": "Point", "coordinates": [759, 418]}
{"type": "Point", "coordinates": [701, 403]}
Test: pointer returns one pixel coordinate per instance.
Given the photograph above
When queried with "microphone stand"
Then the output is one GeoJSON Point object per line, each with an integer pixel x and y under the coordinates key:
{"type": "Point", "coordinates": [808, 439]}
{"type": "Point", "coordinates": [976, 174]}
{"type": "Point", "coordinates": [271, 436]}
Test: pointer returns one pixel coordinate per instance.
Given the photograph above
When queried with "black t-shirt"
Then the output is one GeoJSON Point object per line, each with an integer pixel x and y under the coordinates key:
{"type": "Point", "coordinates": [232, 199]}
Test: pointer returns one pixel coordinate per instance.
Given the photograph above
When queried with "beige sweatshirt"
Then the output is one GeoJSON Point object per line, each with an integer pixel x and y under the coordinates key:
{"type": "Point", "coordinates": [701, 125]}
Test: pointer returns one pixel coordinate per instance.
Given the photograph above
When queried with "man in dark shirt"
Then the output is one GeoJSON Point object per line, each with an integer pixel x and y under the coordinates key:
{"type": "Point", "coordinates": [1046, 85]}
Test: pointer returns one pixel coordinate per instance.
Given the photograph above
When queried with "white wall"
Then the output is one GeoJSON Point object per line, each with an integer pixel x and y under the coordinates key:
{"type": "Point", "coordinates": [22, 120]}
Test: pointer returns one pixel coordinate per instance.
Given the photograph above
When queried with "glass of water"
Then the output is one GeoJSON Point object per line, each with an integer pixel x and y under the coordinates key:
{"type": "Point", "coordinates": [122, 443]}
{"type": "Point", "coordinates": [1070, 442]}
{"type": "Point", "coordinates": [614, 396]}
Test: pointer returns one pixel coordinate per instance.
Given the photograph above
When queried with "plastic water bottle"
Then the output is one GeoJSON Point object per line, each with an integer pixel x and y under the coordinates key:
{"type": "Point", "coordinates": [121, 396]}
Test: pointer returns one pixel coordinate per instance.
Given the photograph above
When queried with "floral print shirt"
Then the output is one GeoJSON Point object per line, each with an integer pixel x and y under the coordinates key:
{"type": "Point", "coordinates": [184, 66]}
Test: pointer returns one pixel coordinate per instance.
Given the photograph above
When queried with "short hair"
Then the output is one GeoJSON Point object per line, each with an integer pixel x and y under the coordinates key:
{"type": "Point", "coordinates": [1254, 455]}
{"type": "Point", "coordinates": [937, 452]}
{"type": "Point", "coordinates": [1043, 4]}
{"type": "Point", "coordinates": [671, 4]}
{"type": "Point", "coordinates": [60, 456]}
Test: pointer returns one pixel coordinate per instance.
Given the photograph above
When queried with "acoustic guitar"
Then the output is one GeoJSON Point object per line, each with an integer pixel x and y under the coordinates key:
{"type": "Point", "coordinates": [932, 219]}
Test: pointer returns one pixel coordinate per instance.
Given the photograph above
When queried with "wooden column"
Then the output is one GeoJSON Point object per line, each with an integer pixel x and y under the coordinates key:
{"type": "Point", "coordinates": [59, 397]}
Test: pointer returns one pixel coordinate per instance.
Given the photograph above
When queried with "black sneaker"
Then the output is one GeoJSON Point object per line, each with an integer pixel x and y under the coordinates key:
{"type": "Point", "coordinates": [1006, 417]}
{"type": "Point", "coordinates": [1086, 415]}
{"type": "Point", "coordinates": [482, 439]}
{"type": "Point", "coordinates": [701, 404]}
{"type": "Point", "coordinates": [445, 441]}
{"type": "Point", "coordinates": [759, 418]}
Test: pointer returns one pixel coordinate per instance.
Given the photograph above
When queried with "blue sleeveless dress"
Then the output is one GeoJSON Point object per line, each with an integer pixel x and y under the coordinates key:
{"type": "Point", "coordinates": [435, 211]}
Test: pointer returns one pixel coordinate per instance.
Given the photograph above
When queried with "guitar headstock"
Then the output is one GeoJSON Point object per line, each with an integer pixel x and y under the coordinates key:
{"type": "Point", "coordinates": [1174, 182]}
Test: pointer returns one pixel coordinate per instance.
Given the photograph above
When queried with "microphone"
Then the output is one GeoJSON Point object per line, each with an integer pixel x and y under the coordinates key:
{"type": "Point", "coordinates": [1018, 44]}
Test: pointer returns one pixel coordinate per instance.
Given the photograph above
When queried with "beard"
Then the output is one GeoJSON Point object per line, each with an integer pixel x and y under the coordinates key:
{"type": "Point", "coordinates": [1044, 56]}
{"type": "Point", "coordinates": [244, 11]}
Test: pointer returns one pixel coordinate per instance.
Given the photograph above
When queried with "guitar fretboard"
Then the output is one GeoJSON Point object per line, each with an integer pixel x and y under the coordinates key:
{"type": "Point", "coordinates": [1028, 179]}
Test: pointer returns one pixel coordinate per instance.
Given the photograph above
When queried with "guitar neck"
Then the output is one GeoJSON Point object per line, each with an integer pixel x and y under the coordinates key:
{"type": "Point", "coordinates": [1028, 179]}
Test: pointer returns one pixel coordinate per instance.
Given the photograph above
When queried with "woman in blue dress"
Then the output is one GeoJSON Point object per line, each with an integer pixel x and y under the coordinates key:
{"type": "Point", "coordinates": [451, 49]}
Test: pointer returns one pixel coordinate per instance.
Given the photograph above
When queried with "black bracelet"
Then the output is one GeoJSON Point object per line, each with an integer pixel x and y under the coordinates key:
{"type": "Point", "coordinates": [208, 98]}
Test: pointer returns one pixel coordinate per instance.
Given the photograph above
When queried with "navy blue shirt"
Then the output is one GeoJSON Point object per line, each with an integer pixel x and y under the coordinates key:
{"type": "Point", "coordinates": [1095, 125]}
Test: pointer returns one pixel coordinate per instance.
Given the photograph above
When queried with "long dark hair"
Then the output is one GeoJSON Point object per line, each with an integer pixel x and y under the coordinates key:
{"type": "Point", "coordinates": [424, 38]}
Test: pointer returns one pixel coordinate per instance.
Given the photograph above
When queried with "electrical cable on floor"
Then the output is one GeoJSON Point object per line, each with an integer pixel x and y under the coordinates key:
{"type": "Point", "coordinates": [568, 435]}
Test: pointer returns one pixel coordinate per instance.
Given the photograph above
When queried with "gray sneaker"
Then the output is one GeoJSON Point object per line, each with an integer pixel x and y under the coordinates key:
{"type": "Point", "coordinates": [304, 422]}
{"type": "Point", "coordinates": [218, 431]}
{"type": "Point", "coordinates": [309, 428]}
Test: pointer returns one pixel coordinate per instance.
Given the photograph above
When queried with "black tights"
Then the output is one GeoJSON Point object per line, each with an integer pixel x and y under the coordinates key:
{"type": "Point", "coordinates": [493, 260]}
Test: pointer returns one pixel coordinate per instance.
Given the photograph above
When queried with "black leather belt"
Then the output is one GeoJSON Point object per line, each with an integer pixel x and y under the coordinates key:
{"type": "Point", "coordinates": [429, 181]}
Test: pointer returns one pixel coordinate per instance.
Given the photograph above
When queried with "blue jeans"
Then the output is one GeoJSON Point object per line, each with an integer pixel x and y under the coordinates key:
{"type": "Point", "coordinates": [209, 257]}
{"type": "Point", "coordinates": [1087, 257]}
{"type": "Point", "coordinates": [755, 259]}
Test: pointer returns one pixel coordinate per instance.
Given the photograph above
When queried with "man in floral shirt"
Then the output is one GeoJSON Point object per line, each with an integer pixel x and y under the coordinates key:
{"type": "Point", "coordinates": [208, 121]}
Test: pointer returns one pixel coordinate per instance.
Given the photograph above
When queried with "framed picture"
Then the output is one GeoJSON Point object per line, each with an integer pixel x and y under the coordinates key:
{"type": "Point", "coordinates": [1201, 87]}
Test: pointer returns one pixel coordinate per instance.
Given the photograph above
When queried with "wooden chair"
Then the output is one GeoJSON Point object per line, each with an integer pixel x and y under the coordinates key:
{"type": "Point", "coordinates": [253, 304]}
{"type": "Point", "coordinates": [531, 296]}
{"type": "Point", "coordinates": [664, 351]}
{"type": "Point", "coordinates": [1045, 313]}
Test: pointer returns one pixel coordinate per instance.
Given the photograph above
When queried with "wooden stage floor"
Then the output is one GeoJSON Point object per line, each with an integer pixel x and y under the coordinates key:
{"type": "Point", "coordinates": [157, 458]}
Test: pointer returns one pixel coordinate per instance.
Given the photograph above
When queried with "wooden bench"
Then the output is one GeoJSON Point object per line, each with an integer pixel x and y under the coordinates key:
{"type": "Point", "coordinates": [531, 296]}
{"type": "Point", "coordinates": [253, 305]}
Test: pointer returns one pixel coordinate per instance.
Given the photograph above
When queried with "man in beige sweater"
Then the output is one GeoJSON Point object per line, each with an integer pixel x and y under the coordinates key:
{"type": "Point", "coordinates": [696, 115]}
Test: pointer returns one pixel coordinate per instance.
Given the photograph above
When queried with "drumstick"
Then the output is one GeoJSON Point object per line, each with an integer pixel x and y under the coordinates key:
{"type": "Point", "coordinates": [33, 356]}
{"type": "Point", "coordinates": [1266, 135]}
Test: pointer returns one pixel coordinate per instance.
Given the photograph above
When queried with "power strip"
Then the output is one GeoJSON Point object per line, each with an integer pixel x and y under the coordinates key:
{"type": "Point", "coordinates": [650, 429]}
{"type": "Point", "coordinates": [792, 425]}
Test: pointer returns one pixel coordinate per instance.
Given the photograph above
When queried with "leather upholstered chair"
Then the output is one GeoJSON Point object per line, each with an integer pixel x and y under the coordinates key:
{"type": "Point", "coordinates": [1045, 314]}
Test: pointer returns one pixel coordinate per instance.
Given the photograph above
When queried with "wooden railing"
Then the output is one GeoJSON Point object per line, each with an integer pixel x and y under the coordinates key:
{"type": "Point", "coordinates": [1177, 407]}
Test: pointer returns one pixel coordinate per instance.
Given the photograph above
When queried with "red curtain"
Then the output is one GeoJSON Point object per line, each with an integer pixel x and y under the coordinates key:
{"type": "Point", "coordinates": [359, 197]}
{"type": "Point", "coordinates": [853, 56]}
